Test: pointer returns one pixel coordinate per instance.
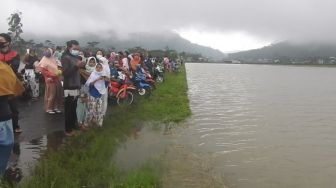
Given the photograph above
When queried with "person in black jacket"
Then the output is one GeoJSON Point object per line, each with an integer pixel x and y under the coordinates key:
{"type": "Point", "coordinates": [12, 58]}
{"type": "Point", "coordinates": [71, 64]}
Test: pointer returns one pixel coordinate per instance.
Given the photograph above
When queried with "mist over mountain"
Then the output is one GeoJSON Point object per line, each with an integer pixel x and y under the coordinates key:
{"type": "Point", "coordinates": [150, 41]}
{"type": "Point", "coordinates": [290, 51]}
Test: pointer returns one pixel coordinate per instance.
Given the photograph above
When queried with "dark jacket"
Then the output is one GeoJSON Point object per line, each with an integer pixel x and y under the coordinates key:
{"type": "Point", "coordinates": [70, 71]}
{"type": "Point", "coordinates": [5, 113]}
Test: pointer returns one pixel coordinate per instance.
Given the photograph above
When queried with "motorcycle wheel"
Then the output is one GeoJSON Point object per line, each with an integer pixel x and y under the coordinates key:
{"type": "Point", "coordinates": [142, 91]}
{"type": "Point", "coordinates": [127, 100]}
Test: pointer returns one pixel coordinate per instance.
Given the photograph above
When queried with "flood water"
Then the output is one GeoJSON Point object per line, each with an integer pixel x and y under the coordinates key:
{"type": "Point", "coordinates": [265, 126]}
{"type": "Point", "coordinates": [256, 126]}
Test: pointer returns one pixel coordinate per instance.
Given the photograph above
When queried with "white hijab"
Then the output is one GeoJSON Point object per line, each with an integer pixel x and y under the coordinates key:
{"type": "Point", "coordinates": [87, 66]}
{"type": "Point", "coordinates": [99, 85]}
{"type": "Point", "coordinates": [106, 67]}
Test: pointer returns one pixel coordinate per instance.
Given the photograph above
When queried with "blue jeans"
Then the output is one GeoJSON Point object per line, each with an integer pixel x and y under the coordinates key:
{"type": "Point", "coordinates": [4, 157]}
{"type": "Point", "coordinates": [6, 143]}
{"type": "Point", "coordinates": [6, 133]}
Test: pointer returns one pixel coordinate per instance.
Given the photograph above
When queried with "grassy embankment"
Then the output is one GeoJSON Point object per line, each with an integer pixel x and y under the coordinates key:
{"type": "Point", "coordinates": [87, 160]}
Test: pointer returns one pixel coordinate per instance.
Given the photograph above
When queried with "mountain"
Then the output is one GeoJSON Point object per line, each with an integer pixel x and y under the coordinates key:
{"type": "Point", "coordinates": [150, 41]}
{"type": "Point", "coordinates": [288, 50]}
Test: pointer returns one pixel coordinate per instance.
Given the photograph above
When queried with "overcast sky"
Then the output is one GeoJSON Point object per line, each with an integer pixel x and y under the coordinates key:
{"type": "Point", "coordinates": [228, 25]}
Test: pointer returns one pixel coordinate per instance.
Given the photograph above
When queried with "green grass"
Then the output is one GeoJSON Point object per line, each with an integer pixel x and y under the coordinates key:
{"type": "Point", "coordinates": [87, 160]}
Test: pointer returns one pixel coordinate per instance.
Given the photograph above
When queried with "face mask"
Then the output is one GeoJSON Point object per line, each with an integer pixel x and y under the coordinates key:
{"type": "Point", "coordinates": [74, 52]}
{"type": "Point", "coordinates": [3, 45]}
{"type": "Point", "coordinates": [99, 56]}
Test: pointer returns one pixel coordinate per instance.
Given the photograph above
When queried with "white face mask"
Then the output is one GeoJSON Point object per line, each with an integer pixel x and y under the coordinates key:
{"type": "Point", "coordinates": [99, 56]}
{"type": "Point", "coordinates": [74, 52]}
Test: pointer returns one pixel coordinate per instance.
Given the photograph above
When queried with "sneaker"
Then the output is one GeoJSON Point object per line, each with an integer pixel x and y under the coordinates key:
{"type": "Point", "coordinates": [50, 112]}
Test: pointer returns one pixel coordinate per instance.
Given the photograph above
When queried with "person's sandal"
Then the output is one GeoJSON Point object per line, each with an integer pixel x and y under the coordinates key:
{"type": "Point", "coordinates": [18, 130]}
{"type": "Point", "coordinates": [50, 112]}
{"type": "Point", "coordinates": [84, 128]}
{"type": "Point", "coordinates": [70, 134]}
{"type": "Point", "coordinates": [57, 111]}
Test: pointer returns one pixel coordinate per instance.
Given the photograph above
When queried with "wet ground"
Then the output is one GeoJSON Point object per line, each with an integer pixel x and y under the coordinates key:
{"type": "Point", "coordinates": [40, 131]}
{"type": "Point", "coordinates": [147, 142]}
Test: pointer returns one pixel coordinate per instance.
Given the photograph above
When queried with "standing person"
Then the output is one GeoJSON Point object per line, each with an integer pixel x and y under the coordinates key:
{"type": "Point", "coordinates": [90, 65]}
{"type": "Point", "coordinates": [125, 61]}
{"type": "Point", "coordinates": [71, 65]}
{"type": "Point", "coordinates": [12, 58]}
{"type": "Point", "coordinates": [135, 61]}
{"type": "Point", "coordinates": [58, 55]}
{"type": "Point", "coordinates": [107, 73]}
{"type": "Point", "coordinates": [52, 76]}
{"type": "Point", "coordinates": [30, 60]}
{"type": "Point", "coordinates": [97, 89]}
{"type": "Point", "coordinates": [9, 86]}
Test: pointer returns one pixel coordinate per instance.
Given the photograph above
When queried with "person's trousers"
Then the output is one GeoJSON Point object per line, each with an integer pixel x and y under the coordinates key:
{"type": "Point", "coordinates": [6, 133]}
{"type": "Point", "coordinates": [49, 96]}
{"type": "Point", "coordinates": [70, 104]}
{"type": "Point", "coordinates": [13, 105]}
{"type": "Point", "coordinates": [5, 151]}
{"type": "Point", "coordinates": [53, 96]}
{"type": "Point", "coordinates": [6, 143]}
{"type": "Point", "coordinates": [105, 103]}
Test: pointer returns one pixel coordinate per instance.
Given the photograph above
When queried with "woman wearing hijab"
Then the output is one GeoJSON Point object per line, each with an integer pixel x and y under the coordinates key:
{"type": "Point", "coordinates": [90, 65]}
{"type": "Point", "coordinates": [106, 69]}
{"type": "Point", "coordinates": [53, 89]}
{"type": "Point", "coordinates": [97, 89]}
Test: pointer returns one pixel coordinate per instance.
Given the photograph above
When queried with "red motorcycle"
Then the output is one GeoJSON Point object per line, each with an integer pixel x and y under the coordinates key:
{"type": "Point", "coordinates": [122, 91]}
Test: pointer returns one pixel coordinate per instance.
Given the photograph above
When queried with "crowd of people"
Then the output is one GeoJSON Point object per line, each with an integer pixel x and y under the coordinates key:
{"type": "Point", "coordinates": [76, 83]}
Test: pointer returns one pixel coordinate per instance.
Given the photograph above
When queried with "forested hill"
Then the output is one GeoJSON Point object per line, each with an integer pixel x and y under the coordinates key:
{"type": "Point", "coordinates": [148, 41]}
{"type": "Point", "coordinates": [289, 51]}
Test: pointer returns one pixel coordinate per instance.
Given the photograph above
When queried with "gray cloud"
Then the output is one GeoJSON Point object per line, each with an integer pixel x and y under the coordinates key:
{"type": "Point", "coordinates": [300, 20]}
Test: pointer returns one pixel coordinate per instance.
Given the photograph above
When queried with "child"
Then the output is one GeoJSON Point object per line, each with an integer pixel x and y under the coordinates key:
{"type": "Point", "coordinates": [90, 66]}
{"type": "Point", "coordinates": [81, 111]}
{"type": "Point", "coordinates": [97, 88]}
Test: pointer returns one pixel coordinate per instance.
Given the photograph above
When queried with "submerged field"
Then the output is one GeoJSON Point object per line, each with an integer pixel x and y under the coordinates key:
{"type": "Point", "coordinates": [87, 160]}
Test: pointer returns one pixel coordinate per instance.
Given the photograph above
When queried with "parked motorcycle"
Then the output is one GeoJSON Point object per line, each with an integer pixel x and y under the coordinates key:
{"type": "Point", "coordinates": [122, 90]}
{"type": "Point", "coordinates": [143, 87]}
{"type": "Point", "coordinates": [158, 74]}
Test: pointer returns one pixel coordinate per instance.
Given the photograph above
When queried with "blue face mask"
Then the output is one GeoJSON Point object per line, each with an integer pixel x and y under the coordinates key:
{"type": "Point", "coordinates": [74, 52]}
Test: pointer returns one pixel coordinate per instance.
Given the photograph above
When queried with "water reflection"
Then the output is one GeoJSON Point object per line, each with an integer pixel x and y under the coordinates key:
{"type": "Point", "coordinates": [142, 144]}
{"type": "Point", "coordinates": [23, 156]}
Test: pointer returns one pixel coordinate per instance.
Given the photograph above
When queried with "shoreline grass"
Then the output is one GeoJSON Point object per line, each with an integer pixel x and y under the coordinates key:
{"type": "Point", "coordinates": [86, 160]}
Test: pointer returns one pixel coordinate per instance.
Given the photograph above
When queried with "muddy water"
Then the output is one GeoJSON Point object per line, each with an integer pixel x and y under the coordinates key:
{"type": "Point", "coordinates": [252, 127]}
{"type": "Point", "coordinates": [162, 145]}
{"type": "Point", "coordinates": [265, 126]}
